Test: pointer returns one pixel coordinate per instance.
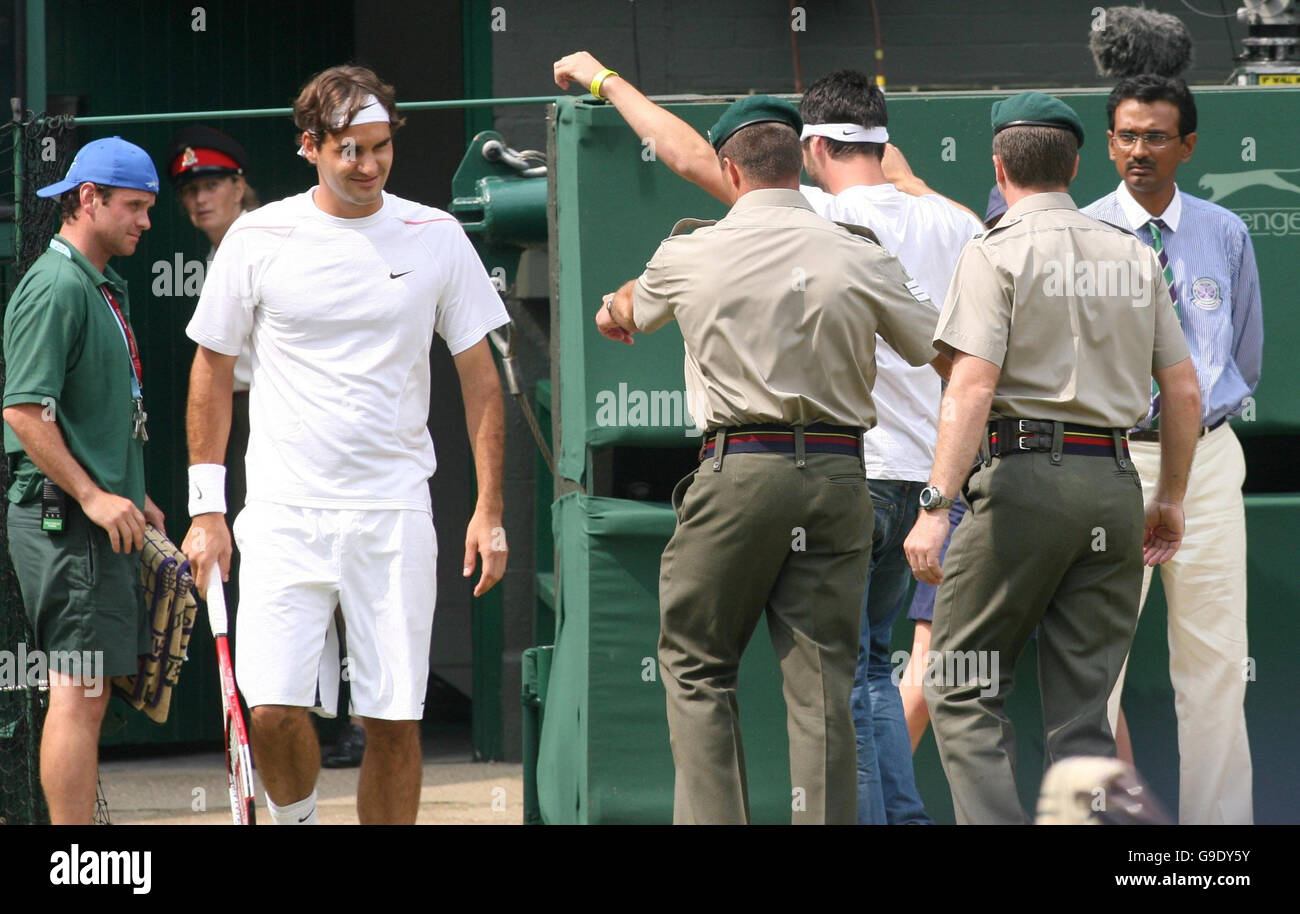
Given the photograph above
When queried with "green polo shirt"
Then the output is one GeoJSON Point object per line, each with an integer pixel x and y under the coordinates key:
{"type": "Point", "coordinates": [64, 349]}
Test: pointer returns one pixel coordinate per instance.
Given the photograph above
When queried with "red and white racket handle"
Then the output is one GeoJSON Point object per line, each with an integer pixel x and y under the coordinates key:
{"type": "Point", "coordinates": [216, 600]}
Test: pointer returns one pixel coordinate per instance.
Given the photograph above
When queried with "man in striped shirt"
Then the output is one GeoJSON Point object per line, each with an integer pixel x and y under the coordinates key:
{"type": "Point", "coordinates": [1209, 263]}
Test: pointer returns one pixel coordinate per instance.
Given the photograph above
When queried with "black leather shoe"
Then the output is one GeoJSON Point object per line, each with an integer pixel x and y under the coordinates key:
{"type": "Point", "coordinates": [347, 751]}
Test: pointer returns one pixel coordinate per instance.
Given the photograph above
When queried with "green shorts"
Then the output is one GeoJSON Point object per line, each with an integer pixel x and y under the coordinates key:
{"type": "Point", "coordinates": [79, 594]}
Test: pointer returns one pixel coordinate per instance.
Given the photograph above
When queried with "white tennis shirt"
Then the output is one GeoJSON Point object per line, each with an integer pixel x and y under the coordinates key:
{"type": "Point", "coordinates": [926, 234]}
{"type": "Point", "coordinates": [340, 315]}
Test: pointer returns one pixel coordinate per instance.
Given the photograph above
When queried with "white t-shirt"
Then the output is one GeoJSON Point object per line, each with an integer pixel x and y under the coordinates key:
{"type": "Point", "coordinates": [243, 364]}
{"type": "Point", "coordinates": [341, 314]}
{"type": "Point", "coordinates": [926, 234]}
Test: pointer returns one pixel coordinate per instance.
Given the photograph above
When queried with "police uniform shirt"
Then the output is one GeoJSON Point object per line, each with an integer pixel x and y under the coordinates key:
{"type": "Point", "coordinates": [779, 310]}
{"type": "Point", "coordinates": [1075, 312]}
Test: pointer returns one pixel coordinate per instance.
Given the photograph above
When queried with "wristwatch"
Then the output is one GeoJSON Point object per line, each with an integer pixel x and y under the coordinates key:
{"type": "Point", "coordinates": [933, 500]}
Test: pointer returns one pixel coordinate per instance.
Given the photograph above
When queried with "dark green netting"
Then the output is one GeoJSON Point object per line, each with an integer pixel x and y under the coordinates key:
{"type": "Point", "coordinates": [45, 147]}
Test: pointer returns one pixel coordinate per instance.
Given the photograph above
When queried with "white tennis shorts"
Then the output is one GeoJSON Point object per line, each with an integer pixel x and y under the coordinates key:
{"type": "Point", "coordinates": [296, 565]}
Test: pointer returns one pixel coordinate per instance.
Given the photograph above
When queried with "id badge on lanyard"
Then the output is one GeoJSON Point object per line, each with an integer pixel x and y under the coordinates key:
{"type": "Point", "coordinates": [138, 417]}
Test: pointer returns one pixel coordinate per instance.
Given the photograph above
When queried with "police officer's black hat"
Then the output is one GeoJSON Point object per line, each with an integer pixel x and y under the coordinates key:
{"type": "Point", "coordinates": [203, 152]}
{"type": "Point", "coordinates": [754, 109]}
{"type": "Point", "coordinates": [1034, 109]}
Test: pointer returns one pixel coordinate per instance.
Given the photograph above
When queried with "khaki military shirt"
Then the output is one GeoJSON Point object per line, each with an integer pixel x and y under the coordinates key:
{"type": "Point", "coordinates": [779, 310]}
{"type": "Point", "coordinates": [1074, 311]}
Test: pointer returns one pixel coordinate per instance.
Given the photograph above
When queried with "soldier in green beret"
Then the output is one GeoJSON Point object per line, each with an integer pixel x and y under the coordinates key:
{"type": "Point", "coordinates": [1056, 323]}
{"type": "Point", "coordinates": [779, 311]}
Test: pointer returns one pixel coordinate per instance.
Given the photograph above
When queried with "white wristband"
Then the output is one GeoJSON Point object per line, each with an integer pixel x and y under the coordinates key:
{"type": "Point", "coordinates": [207, 489]}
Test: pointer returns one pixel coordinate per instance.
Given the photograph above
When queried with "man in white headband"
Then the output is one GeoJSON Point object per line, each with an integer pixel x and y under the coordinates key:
{"type": "Point", "coordinates": [371, 111]}
{"type": "Point", "coordinates": [340, 290]}
{"type": "Point", "coordinates": [846, 133]}
{"type": "Point", "coordinates": [844, 144]}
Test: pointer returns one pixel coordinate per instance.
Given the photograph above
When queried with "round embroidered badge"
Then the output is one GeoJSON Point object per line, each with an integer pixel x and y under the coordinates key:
{"type": "Point", "coordinates": [1205, 294]}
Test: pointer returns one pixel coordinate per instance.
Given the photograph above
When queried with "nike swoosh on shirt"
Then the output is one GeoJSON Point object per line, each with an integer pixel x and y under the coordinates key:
{"type": "Point", "coordinates": [398, 275]}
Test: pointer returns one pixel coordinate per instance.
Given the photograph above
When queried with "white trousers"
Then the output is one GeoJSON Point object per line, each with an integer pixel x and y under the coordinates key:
{"type": "Point", "coordinates": [1205, 588]}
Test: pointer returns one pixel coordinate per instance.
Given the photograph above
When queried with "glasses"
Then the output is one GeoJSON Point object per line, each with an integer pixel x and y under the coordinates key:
{"type": "Point", "coordinates": [1125, 140]}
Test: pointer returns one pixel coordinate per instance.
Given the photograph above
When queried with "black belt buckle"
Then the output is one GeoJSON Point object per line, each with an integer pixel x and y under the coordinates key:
{"type": "Point", "coordinates": [1033, 433]}
{"type": "Point", "coordinates": [1028, 435]}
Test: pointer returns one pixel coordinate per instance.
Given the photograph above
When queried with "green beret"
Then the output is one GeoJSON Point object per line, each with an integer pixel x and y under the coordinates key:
{"type": "Point", "coordinates": [754, 109]}
{"type": "Point", "coordinates": [1034, 109]}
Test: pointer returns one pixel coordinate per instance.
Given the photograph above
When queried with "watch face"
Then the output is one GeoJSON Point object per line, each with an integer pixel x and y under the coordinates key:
{"type": "Point", "coordinates": [927, 496]}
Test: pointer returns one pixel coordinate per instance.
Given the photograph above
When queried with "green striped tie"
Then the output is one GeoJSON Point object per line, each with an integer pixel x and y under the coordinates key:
{"type": "Point", "coordinates": [1158, 243]}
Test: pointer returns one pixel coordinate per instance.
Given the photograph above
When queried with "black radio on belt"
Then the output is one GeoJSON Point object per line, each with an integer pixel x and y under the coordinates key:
{"type": "Point", "coordinates": [53, 507]}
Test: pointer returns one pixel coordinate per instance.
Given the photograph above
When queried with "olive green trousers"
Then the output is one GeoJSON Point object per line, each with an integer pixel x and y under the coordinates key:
{"type": "Point", "coordinates": [761, 535]}
{"type": "Point", "coordinates": [1052, 547]}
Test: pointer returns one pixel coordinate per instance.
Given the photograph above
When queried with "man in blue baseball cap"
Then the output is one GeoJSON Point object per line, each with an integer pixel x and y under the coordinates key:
{"type": "Point", "coordinates": [74, 434]}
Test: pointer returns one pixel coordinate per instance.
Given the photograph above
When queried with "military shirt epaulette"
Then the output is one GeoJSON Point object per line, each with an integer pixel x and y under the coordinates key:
{"type": "Point", "coordinates": [689, 225]}
{"type": "Point", "coordinates": [1123, 228]}
{"type": "Point", "coordinates": [859, 230]}
{"type": "Point", "coordinates": [1003, 223]}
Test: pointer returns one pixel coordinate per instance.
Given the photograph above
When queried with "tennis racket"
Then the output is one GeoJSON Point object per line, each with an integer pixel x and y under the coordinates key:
{"type": "Point", "coordinates": [239, 760]}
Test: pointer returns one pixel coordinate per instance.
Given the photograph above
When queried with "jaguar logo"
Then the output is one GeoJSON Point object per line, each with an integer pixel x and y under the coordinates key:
{"type": "Point", "coordinates": [1224, 185]}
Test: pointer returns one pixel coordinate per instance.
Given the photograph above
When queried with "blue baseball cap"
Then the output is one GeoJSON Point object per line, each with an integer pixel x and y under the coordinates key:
{"type": "Point", "coordinates": [112, 162]}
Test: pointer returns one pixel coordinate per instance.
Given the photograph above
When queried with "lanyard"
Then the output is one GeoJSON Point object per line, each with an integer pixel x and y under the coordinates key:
{"type": "Point", "coordinates": [128, 338]}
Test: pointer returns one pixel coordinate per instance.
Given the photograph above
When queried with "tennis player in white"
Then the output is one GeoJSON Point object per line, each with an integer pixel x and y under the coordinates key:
{"type": "Point", "coordinates": [339, 291]}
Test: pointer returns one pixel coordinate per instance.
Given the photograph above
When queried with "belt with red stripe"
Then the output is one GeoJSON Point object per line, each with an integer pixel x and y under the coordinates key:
{"type": "Point", "coordinates": [818, 438]}
{"type": "Point", "coordinates": [1020, 436]}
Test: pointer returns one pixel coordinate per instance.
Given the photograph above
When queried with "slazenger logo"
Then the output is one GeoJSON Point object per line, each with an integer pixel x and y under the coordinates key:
{"type": "Point", "coordinates": [1272, 221]}
{"type": "Point", "coordinates": [1224, 185]}
{"type": "Point", "coordinates": [78, 867]}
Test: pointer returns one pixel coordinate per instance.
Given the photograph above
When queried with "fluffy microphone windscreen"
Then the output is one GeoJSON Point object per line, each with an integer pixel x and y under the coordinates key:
{"type": "Point", "coordinates": [1137, 40]}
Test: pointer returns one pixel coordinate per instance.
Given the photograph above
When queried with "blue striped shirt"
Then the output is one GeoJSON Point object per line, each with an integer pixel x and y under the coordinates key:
{"type": "Point", "coordinates": [1213, 264]}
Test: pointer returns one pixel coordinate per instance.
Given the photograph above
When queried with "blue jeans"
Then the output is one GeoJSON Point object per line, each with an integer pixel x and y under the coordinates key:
{"type": "Point", "coordinates": [886, 783]}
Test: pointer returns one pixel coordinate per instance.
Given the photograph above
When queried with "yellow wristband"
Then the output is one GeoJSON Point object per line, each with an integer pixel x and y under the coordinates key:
{"type": "Point", "coordinates": [600, 81]}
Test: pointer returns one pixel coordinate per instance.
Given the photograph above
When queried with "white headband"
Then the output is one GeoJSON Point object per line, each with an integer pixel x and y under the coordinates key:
{"type": "Point", "coordinates": [846, 133]}
{"type": "Point", "coordinates": [370, 112]}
